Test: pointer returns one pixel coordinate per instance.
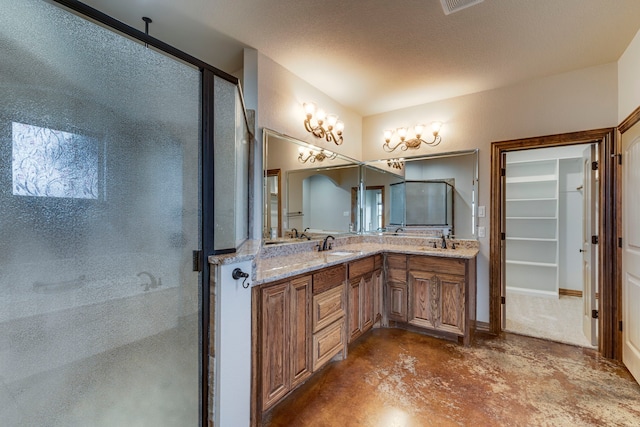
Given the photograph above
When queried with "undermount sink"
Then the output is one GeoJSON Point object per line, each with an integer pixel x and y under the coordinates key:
{"type": "Point", "coordinates": [340, 253]}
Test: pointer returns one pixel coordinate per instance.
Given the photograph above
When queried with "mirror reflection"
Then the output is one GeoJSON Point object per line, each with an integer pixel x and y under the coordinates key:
{"type": "Point", "coordinates": [427, 194]}
{"type": "Point", "coordinates": [308, 190]}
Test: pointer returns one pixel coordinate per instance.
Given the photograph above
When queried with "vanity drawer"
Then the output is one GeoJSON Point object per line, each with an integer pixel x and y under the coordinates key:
{"type": "Point", "coordinates": [328, 307]}
{"type": "Point", "coordinates": [329, 278]}
{"type": "Point", "coordinates": [327, 343]}
{"type": "Point", "coordinates": [361, 267]}
{"type": "Point", "coordinates": [455, 266]}
{"type": "Point", "coordinates": [397, 261]}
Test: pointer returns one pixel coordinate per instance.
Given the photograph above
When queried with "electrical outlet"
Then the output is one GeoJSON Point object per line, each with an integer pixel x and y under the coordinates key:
{"type": "Point", "coordinates": [345, 213]}
{"type": "Point", "coordinates": [481, 212]}
{"type": "Point", "coordinates": [482, 232]}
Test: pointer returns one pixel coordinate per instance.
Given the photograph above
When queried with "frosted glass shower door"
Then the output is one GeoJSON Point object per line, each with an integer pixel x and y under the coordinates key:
{"type": "Point", "coordinates": [99, 214]}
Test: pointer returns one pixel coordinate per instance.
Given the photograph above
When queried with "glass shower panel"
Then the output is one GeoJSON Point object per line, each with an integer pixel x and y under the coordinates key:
{"type": "Point", "coordinates": [99, 214]}
{"type": "Point", "coordinates": [231, 168]}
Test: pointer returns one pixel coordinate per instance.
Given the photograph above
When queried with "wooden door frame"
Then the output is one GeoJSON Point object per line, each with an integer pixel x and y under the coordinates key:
{"type": "Point", "coordinates": [609, 336]}
{"type": "Point", "coordinates": [277, 173]}
{"type": "Point", "coordinates": [354, 202]}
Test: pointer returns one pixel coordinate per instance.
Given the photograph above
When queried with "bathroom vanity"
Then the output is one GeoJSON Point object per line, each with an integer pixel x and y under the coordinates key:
{"type": "Point", "coordinates": [309, 306]}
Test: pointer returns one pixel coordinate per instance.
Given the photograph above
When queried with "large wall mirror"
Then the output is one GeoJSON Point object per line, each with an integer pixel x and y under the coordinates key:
{"type": "Point", "coordinates": [435, 193]}
{"type": "Point", "coordinates": [308, 190]}
{"type": "Point", "coordinates": [311, 191]}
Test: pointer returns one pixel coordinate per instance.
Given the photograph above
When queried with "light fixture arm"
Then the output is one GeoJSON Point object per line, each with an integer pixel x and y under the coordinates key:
{"type": "Point", "coordinates": [321, 156]}
{"type": "Point", "coordinates": [326, 127]}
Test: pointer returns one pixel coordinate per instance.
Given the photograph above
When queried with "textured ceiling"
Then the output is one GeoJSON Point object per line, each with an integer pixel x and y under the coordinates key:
{"type": "Point", "coordinates": [379, 55]}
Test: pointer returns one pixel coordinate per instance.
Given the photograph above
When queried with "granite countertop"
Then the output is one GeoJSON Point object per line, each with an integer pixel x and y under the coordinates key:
{"type": "Point", "coordinates": [277, 262]}
{"type": "Point", "coordinates": [281, 267]}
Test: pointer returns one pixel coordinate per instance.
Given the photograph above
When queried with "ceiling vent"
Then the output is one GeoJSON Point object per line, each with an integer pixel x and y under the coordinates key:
{"type": "Point", "coordinates": [450, 6]}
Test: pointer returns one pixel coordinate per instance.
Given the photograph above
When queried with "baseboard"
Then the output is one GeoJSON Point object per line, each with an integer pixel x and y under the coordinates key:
{"type": "Point", "coordinates": [570, 292]}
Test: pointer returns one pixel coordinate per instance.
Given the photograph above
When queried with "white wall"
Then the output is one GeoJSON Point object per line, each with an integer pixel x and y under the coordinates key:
{"type": "Point", "coordinates": [233, 348]}
{"type": "Point", "coordinates": [579, 100]}
{"type": "Point", "coordinates": [629, 79]}
{"type": "Point", "coordinates": [281, 95]}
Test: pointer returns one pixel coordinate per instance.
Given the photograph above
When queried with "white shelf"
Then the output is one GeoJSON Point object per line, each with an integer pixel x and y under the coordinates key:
{"type": "Point", "coordinates": [530, 179]}
{"type": "Point", "coordinates": [532, 224]}
{"type": "Point", "coordinates": [532, 263]}
{"type": "Point", "coordinates": [539, 199]}
{"type": "Point", "coordinates": [531, 239]}
{"type": "Point", "coordinates": [532, 217]}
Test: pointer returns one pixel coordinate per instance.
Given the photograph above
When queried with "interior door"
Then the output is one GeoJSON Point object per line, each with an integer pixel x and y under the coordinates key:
{"type": "Point", "coordinates": [589, 253]}
{"type": "Point", "coordinates": [631, 250]}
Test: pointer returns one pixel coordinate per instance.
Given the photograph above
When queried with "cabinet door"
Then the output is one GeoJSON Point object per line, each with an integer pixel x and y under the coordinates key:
{"type": "Point", "coordinates": [367, 303]}
{"type": "Point", "coordinates": [397, 297]}
{"type": "Point", "coordinates": [354, 311]}
{"type": "Point", "coordinates": [452, 297]}
{"type": "Point", "coordinates": [300, 330]}
{"type": "Point", "coordinates": [436, 301]}
{"type": "Point", "coordinates": [424, 299]}
{"type": "Point", "coordinates": [274, 343]}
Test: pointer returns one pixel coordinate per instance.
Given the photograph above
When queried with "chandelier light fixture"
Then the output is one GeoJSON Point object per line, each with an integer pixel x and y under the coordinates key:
{"type": "Point", "coordinates": [395, 163]}
{"type": "Point", "coordinates": [323, 125]}
{"type": "Point", "coordinates": [313, 156]}
{"type": "Point", "coordinates": [412, 143]}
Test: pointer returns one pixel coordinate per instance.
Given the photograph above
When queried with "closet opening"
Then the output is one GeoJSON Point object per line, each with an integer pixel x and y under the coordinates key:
{"type": "Point", "coordinates": [551, 263]}
{"type": "Point", "coordinates": [553, 205]}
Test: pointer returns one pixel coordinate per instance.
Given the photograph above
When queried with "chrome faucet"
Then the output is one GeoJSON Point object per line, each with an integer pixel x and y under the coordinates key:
{"type": "Point", "coordinates": [153, 282]}
{"type": "Point", "coordinates": [325, 244]}
{"type": "Point", "coordinates": [444, 242]}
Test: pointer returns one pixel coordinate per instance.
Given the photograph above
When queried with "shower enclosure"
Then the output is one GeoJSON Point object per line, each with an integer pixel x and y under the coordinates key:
{"type": "Point", "coordinates": [102, 315]}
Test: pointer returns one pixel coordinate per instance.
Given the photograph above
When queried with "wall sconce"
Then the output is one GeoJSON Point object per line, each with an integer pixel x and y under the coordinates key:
{"type": "Point", "coordinates": [323, 125]}
{"type": "Point", "coordinates": [413, 143]}
{"type": "Point", "coordinates": [395, 163]}
{"type": "Point", "coordinates": [312, 157]}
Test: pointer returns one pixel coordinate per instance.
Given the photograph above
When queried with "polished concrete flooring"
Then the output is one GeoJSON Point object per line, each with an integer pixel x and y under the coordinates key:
{"type": "Point", "coordinates": [396, 378]}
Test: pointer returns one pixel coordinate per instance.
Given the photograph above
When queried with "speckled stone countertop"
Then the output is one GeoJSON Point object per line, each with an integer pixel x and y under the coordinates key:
{"type": "Point", "coordinates": [276, 262]}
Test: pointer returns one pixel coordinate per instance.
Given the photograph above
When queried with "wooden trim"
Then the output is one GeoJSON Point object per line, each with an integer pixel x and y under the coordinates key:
{"type": "Point", "coordinates": [482, 327]}
{"type": "Point", "coordinates": [631, 120]}
{"type": "Point", "coordinates": [607, 228]}
{"type": "Point", "coordinates": [354, 203]}
{"type": "Point", "coordinates": [570, 293]}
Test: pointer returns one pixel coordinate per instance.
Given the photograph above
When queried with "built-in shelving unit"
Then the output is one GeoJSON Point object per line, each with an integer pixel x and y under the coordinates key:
{"type": "Point", "coordinates": [532, 189]}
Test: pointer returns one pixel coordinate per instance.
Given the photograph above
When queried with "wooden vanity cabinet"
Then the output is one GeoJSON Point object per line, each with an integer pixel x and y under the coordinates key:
{"type": "Point", "coordinates": [442, 294]}
{"type": "Point", "coordinates": [285, 332]}
{"type": "Point", "coordinates": [396, 287]}
{"type": "Point", "coordinates": [364, 295]}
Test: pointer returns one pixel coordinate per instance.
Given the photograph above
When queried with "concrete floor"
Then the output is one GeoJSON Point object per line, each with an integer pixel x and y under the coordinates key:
{"type": "Point", "coordinates": [395, 378]}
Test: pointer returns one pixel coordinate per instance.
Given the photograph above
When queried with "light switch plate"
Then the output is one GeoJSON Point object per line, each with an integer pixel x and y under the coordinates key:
{"type": "Point", "coordinates": [481, 212]}
{"type": "Point", "coordinates": [482, 232]}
